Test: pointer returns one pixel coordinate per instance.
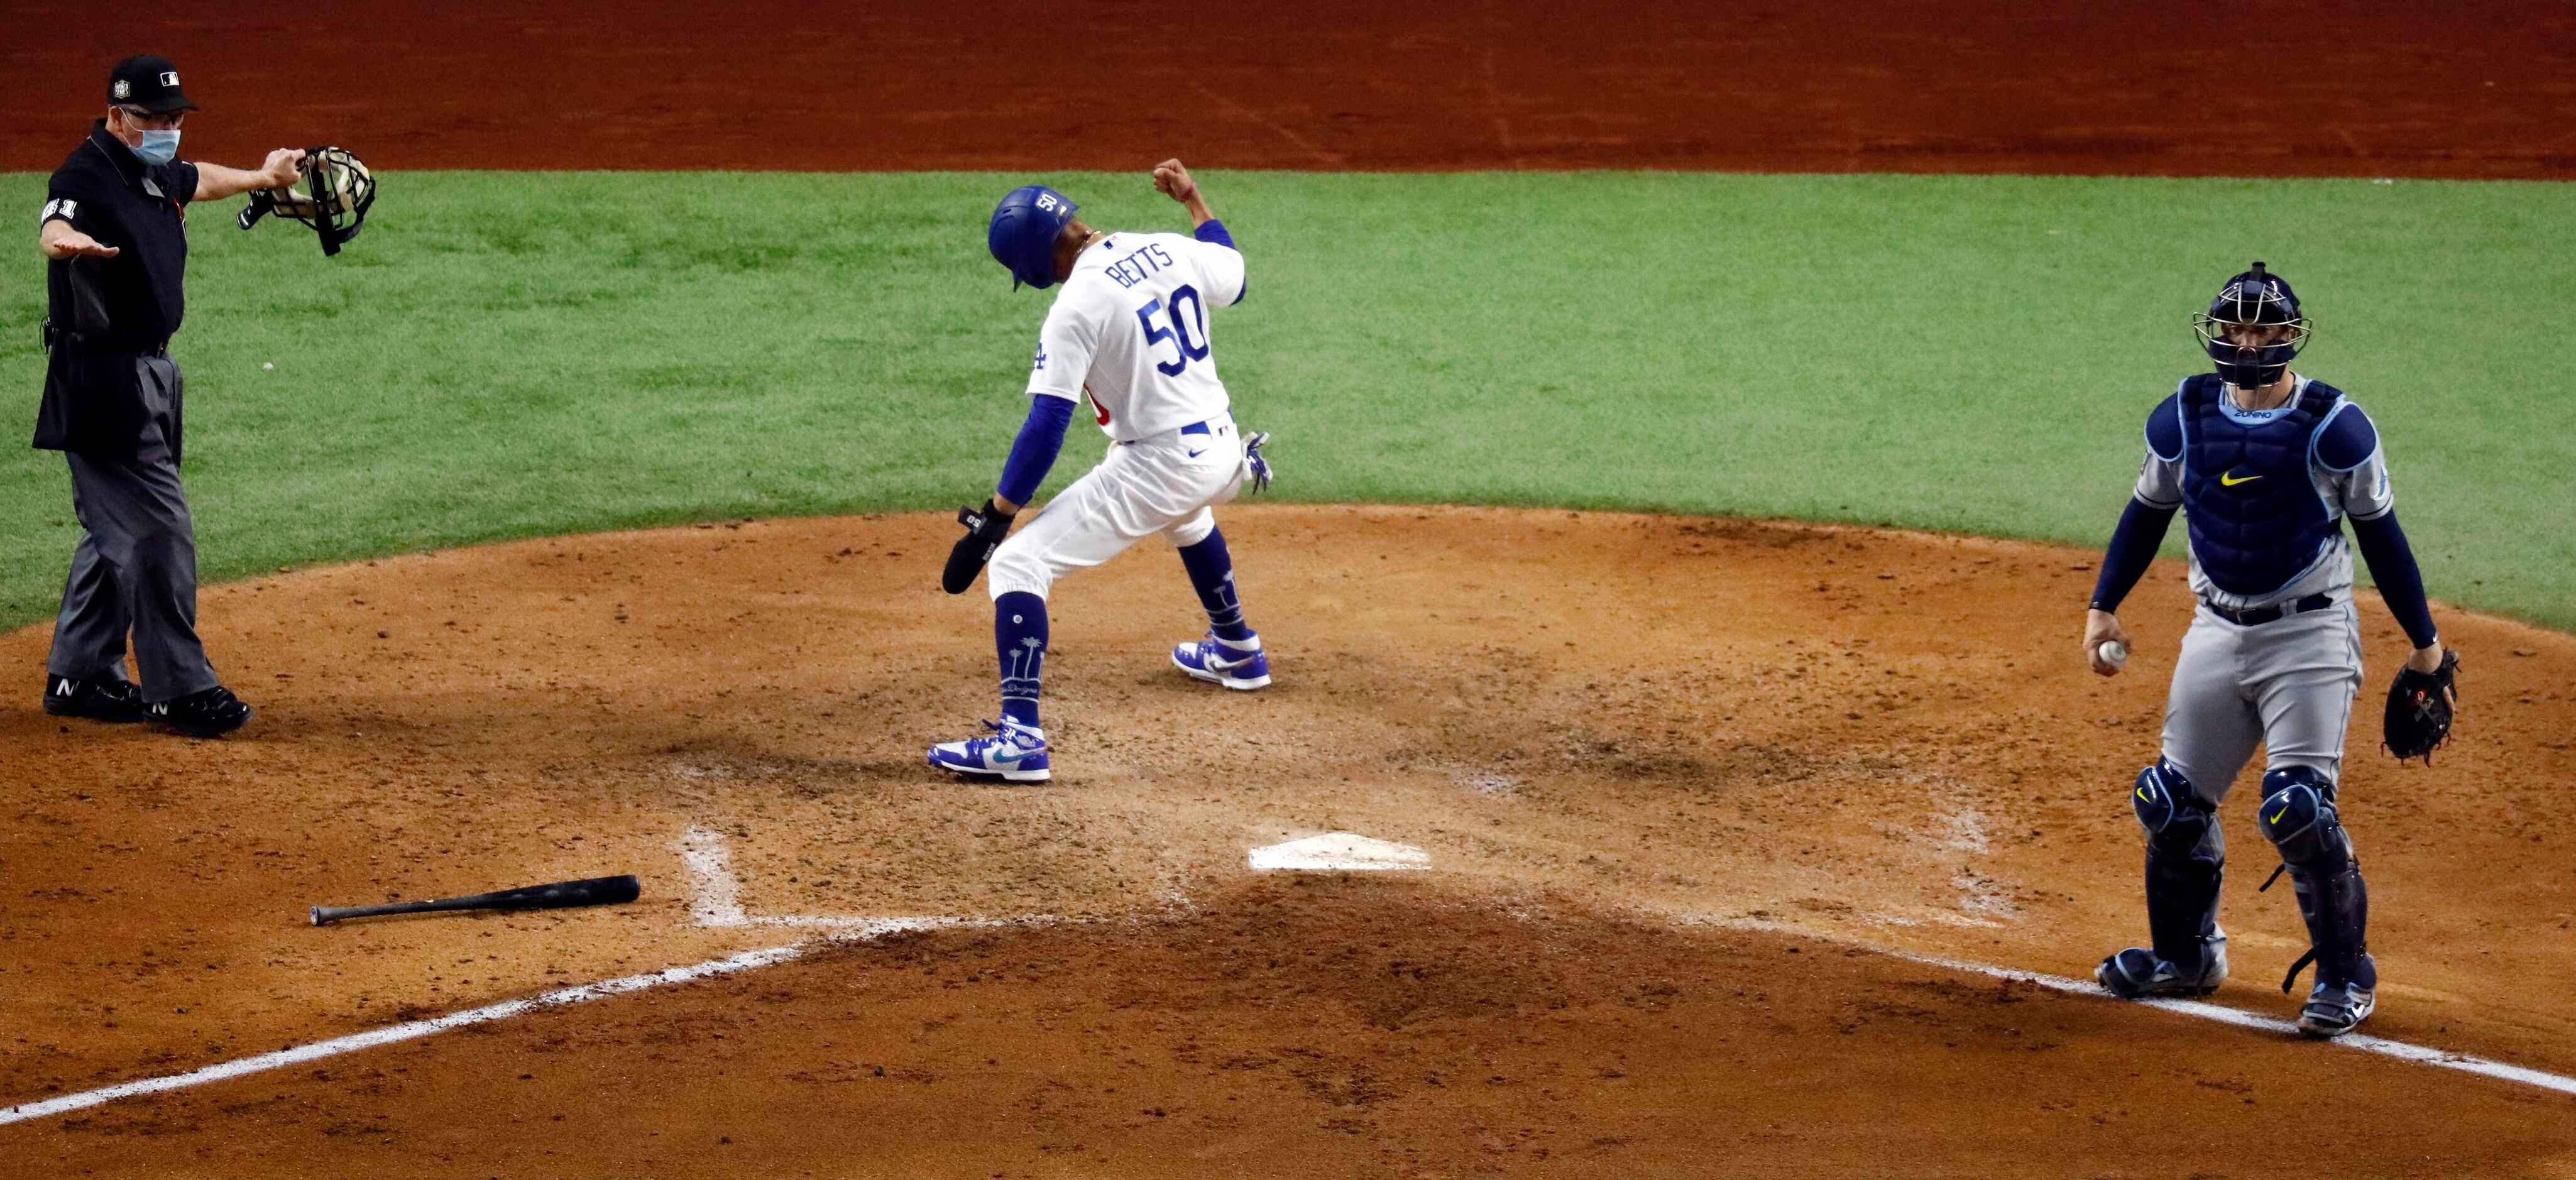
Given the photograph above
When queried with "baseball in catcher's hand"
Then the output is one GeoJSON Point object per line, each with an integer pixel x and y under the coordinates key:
{"type": "Point", "coordinates": [2106, 642]}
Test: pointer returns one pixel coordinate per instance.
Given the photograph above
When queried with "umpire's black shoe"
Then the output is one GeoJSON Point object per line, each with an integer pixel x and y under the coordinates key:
{"type": "Point", "coordinates": [98, 700]}
{"type": "Point", "coordinates": [212, 713]}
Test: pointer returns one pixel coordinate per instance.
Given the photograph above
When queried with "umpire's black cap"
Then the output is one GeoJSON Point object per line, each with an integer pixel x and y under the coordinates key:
{"type": "Point", "coordinates": [149, 82]}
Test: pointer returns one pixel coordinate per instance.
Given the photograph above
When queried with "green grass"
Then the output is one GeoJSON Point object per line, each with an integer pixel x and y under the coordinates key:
{"type": "Point", "coordinates": [511, 354]}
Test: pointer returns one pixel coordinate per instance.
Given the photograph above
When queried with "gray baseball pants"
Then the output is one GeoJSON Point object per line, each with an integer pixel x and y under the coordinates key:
{"type": "Point", "coordinates": [2286, 685]}
{"type": "Point", "coordinates": [135, 568]}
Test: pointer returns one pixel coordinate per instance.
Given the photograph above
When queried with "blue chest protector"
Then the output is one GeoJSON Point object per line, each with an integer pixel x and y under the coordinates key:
{"type": "Point", "coordinates": [2256, 521]}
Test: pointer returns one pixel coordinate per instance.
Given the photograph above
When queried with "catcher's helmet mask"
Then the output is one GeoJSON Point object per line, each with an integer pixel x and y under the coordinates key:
{"type": "Point", "coordinates": [2253, 329]}
{"type": "Point", "coordinates": [337, 190]}
{"type": "Point", "coordinates": [1023, 233]}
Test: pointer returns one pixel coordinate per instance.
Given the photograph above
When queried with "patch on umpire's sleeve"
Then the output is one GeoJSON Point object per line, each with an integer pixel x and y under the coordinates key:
{"type": "Point", "coordinates": [62, 207]}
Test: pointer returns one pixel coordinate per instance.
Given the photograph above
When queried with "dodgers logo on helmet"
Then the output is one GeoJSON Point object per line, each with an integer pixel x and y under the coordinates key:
{"type": "Point", "coordinates": [1022, 235]}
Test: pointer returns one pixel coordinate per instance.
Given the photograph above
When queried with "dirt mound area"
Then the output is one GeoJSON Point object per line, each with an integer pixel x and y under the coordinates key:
{"type": "Point", "coordinates": [1324, 1027]}
{"type": "Point", "coordinates": [1678, 780]}
{"type": "Point", "coordinates": [2361, 88]}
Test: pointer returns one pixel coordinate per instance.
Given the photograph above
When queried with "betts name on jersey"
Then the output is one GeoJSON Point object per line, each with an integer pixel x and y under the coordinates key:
{"type": "Point", "coordinates": [1130, 328]}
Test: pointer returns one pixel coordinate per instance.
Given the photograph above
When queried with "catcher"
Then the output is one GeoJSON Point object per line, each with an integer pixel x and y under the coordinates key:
{"type": "Point", "coordinates": [2266, 465]}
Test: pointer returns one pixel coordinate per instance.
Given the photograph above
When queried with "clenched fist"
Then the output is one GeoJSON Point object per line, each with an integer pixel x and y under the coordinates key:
{"type": "Point", "coordinates": [282, 168]}
{"type": "Point", "coordinates": [1174, 181]}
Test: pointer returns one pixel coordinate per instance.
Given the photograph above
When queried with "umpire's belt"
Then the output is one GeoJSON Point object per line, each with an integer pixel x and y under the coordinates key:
{"type": "Point", "coordinates": [108, 342]}
{"type": "Point", "coordinates": [2265, 614]}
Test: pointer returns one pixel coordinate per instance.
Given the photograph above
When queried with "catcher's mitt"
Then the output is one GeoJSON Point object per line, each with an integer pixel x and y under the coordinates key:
{"type": "Point", "coordinates": [985, 528]}
{"type": "Point", "coordinates": [2419, 709]}
{"type": "Point", "coordinates": [332, 196]}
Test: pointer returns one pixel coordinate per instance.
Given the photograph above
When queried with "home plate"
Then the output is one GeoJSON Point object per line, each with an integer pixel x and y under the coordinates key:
{"type": "Point", "coordinates": [1340, 852]}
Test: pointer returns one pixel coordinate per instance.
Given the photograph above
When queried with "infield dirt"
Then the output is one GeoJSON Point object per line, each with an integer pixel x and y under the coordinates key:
{"type": "Point", "coordinates": [1623, 741]}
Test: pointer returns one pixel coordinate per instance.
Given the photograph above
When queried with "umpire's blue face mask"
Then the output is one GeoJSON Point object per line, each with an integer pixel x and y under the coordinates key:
{"type": "Point", "coordinates": [159, 145]}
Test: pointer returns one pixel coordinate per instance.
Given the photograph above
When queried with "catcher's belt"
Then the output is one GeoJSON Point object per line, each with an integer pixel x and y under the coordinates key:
{"type": "Point", "coordinates": [2262, 615]}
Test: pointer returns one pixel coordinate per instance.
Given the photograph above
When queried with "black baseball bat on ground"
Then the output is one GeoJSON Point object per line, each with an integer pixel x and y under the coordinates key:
{"type": "Point", "coordinates": [559, 895]}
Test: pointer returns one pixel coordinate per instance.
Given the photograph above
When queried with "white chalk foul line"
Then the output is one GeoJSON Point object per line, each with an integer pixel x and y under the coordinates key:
{"type": "Point", "coordinates": [715, 900]}
{"type": "Point", "coordinates": [2402, 1050]}
{"type": "Point", "coordinates": [851, 930]}
{"type": "Point", "coordinates": [393, 1034]}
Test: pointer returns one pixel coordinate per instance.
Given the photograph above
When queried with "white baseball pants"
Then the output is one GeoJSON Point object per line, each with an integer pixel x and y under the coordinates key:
{"type": "Point", "coordinates": [1165, 483]}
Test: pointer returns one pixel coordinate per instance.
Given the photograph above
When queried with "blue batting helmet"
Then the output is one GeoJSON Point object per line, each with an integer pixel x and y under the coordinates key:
{"type": "Point", "coordinates": [1022, 237]}
{"type": "Point", "coordinates": [2253, 328]}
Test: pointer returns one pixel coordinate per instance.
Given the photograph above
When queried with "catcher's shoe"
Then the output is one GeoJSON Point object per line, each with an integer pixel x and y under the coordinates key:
{"type": "Point", "coordinates": [2137, 973]}
{"type": "Point", "coordinates": [98, 700]}
{"type": "Point", "coordinates": [1238, 664]}
{"type": "Point", "coordinates": [212, 713]}
{"type": "Point", "coordinates": [2333, 1010]}
{"type": "Point", "coordinates": [1016, 752]}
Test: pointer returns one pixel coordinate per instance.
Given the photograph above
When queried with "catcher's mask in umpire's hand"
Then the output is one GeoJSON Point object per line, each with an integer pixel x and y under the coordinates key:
{"type": "Point", "coordinates": [1023, 233]}
{"type": "Point", "coordinates": [332, 197]}
{"type": "Point", "coordinates": [2252, 329]}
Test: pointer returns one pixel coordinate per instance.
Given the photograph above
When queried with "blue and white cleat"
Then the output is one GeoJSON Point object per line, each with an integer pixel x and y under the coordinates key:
{"type": "Point", "coordinates": [1238, 665]}
{"type": "Point", "coordinates": [2137, 973]}
{"type": "Point", "coordinates": [1016, 752]}
{"type": "Point", "coordinates": [2333, 1011]}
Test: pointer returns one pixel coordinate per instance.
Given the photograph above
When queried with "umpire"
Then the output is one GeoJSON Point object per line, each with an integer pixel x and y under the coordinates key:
{"type": "Point", "coordinates": [114, 229]}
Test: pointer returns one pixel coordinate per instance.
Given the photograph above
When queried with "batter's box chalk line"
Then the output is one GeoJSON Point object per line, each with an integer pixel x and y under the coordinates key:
{"type": "Point", "coordinates": [715, 897]}
{"type": "Point", "coordinates": [717, 902]}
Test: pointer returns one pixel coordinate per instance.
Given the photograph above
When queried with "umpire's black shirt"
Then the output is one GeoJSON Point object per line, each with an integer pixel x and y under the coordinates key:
{"type": "Point", "coordinates": [105, 312]}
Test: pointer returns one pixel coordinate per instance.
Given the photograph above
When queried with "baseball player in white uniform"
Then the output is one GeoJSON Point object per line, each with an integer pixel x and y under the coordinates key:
{"type": "Point", "coordinates": [1129, 334]}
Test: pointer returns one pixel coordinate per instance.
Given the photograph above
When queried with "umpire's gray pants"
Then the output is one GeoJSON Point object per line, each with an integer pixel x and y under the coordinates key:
{"type": "Point", "coordinates": [2286, 685]}
{"type": "Point", "coordinates": [136, 565]}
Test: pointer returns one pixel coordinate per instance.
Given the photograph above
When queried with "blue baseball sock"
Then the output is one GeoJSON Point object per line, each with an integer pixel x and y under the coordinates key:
{"type": "Point", "coordinates": [1212, 573]}
{"type": "Point", "coordinates": [1020, 636]}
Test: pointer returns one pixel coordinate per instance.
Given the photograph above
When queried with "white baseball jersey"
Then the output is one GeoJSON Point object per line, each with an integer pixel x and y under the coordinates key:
{"type": "Point", "coordinates": [1130, 329]}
